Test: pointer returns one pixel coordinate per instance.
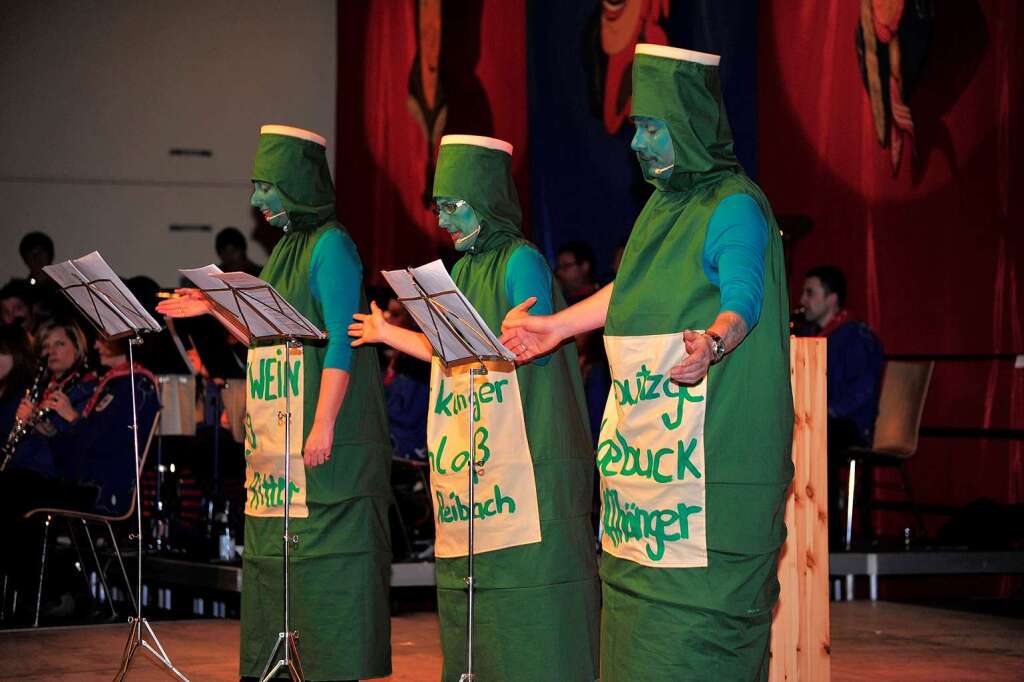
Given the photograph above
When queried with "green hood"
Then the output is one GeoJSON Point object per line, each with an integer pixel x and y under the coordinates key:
{"type": "Point", "coordinates": [483, 178]}
{"type": "Point", "coordinates": [298, 169]}
{"type": "Point", "coordinates": [688, 97]}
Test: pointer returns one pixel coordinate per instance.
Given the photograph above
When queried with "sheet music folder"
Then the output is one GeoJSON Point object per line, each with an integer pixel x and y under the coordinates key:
{"type": "Point", "coordinates": [454, 328]}
{"type": "Point", "coordinates": [101, 296]}
{"type": "Point", "coordinates": [252, 304]}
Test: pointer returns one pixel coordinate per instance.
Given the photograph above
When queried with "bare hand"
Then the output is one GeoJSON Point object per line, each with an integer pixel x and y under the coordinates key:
{"type": "Point", "coordinates": [25, 409]}
{"type": "Point", "coordinates": [187, 303]}
{"type": "Point", "coordinates": [529, 336]}
{"type": "Point", "coordinates": [318, 444]}
{"type": "Point", "coordinates": [694, 367]}
{"type": "Point", "coordinates": [369, 328]}
{"type": "Point", "coordinates": [58, 402]}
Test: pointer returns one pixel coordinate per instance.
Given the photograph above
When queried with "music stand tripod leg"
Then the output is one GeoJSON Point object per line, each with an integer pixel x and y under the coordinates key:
{"type": "Point", "coordinates": [474, 372]}
{"type": "Point", "coordinates": [286, 639]}
{"type": "Point", "coordinates": [135, 637]}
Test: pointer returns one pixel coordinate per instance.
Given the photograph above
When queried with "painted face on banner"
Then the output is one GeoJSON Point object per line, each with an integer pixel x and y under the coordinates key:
{"type": "Point", "coordinates": [653, 146]}
{"type": "Point", "coordinates": [458, 218]}
{"type": "Point", "coordinates": [267, 199]}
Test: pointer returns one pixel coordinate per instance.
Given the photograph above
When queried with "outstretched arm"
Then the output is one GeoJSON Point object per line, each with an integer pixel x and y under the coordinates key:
{"type": "Point", "coordinates": [530, 336]}
{"type": "Point", "coordinates": [373, 328]}
{"type": "Point", "coordinates": [190, 302]}
{"type": "Point", "coordinates": [729, 326]}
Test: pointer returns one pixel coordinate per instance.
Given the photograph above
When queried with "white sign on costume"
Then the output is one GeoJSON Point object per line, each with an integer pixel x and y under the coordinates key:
{"type": "Point", "coordinates": [651, 456]}
{"type": "Point", "coordinates": [267, 384]}
{"type": "Point", "coordinates": [505, 511]}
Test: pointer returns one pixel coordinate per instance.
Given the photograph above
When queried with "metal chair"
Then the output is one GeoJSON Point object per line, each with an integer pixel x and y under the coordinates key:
{"type": "Point", "coordinates": [900, 405]}
{"type": "Point", "coordinates": [85, 517]}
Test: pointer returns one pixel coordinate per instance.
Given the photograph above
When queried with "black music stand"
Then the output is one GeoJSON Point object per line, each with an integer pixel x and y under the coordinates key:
{"type": "Point", "coordinates": [103, 298]}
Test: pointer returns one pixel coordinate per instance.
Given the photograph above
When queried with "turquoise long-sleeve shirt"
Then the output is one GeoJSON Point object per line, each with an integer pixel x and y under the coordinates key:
{"type": "Point", "coordinates": [528, 274]}
{"type": "Point", "coordinates": [335, 267]}
{"type": "Point", "coordinates": [733, 257]}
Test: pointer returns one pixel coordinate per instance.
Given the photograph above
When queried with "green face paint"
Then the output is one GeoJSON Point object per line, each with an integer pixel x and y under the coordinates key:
{"type": "Point", "coordinates": [459, 219]}
{"type": "Point", "coordinates": [653, 146]}
{"type": "Point", "coordinates": [267, 199]}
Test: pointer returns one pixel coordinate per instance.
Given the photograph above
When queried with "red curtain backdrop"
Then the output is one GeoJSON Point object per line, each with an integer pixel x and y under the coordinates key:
{"type": "Point", "coordinates": [935, 253]}
{"type": "Point", "coordinates": [382, 152]}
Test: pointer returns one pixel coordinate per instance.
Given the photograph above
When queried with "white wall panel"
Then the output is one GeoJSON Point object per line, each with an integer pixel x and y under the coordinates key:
{"type": "Point", "coordinates": [95, 94]}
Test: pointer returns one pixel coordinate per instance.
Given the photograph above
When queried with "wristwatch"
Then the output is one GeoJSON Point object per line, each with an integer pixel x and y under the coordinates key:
{"type": "Point", "coordinates": [717, 346]}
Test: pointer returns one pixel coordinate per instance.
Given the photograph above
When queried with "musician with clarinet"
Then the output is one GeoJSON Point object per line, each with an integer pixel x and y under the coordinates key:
{"type": "Point", "coordinates": [59, 392]}
{"type": "Point", "coordinates": [31, 477]}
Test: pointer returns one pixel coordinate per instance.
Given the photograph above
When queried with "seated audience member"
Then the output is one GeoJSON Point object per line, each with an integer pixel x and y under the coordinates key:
{"type": "Point", "coordinates": [16, 363]}
{"type": "Point", "coordinates": [617, 258]}
{"type": "Point", "coordinates": [63, 347]}
{"type": "Point", "coordinates": [47, 302]}
{"type": "Point", "coordinates": [575, 271]}
{"type": "Point", "coordinates": [406, 392]}
{"type": "Point", "coordinates": [854, 372]}
{"type": "Point", "coordinates": [97, 452]}
{"type": "Point", "coordinates": [16, 299]}
{"type": "Point", "coordinates": [36, 249]}
{"type": "Point", "coordinates": [232, 249]}
{"type": "Point", "coordinates": [32, 478]}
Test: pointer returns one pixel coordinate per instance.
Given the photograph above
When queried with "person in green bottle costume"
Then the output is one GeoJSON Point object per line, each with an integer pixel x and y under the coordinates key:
{"type": "Point", "coordinates": [340, 566]}
{"type": "Point", "coordinates": [694, 452]}
{"type": "Point", "coordinates": [537, 590]}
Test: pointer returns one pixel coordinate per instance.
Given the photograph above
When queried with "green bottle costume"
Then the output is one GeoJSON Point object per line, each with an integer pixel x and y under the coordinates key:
{"type": "Point", "coordinates": [536, 611]}
{"type": "Point", "coordinates": [710, 621]}
{"type": "Point", "coordinates": [340, 568]}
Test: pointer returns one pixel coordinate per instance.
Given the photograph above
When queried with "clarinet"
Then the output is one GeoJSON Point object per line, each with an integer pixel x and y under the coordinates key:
{"type": "Point", "coordinates": [22, 427]}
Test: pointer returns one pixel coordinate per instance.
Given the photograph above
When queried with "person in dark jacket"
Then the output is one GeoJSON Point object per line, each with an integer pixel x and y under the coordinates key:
{"type": "Point", "coordinates": [71, 383]}
{"type": "Point", "coordinates": [97, 452]}
{"type": "Point", "coordinates": [854, 376]}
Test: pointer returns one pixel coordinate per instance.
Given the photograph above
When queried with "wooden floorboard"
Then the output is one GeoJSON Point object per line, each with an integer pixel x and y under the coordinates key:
{"type": "Point", "coordinates": [885, 641]}
{"type": "Point", "coordinates": [877, 642]}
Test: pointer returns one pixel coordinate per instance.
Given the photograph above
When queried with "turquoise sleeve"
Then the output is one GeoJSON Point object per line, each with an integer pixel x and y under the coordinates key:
{"type": "Point", "coordinates": [335, 277]}
{"type": "Point", "coordinates": [733, 257]}
{"type": "Point", "coordinates": [527, 274]}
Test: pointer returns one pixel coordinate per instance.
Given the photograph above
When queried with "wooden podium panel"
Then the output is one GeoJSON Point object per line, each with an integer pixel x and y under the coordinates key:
{"type": "Point", "coordinates": [801, 643]}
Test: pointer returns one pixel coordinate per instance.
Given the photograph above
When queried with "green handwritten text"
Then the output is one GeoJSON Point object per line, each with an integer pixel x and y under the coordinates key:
{"type": "Point", "coordinates": [625, 522]}
{"type": "Point", "coordinates": [267, 490]}
{"type": "Point", "coordinates": [450, 404]}
{"type": "Point", "coordinates": [648, 385]}
{"type": "Point", "coordinates": [266, 380]}
{"type": "Point", "coordinates": [453, 510]}
{"type": "Point", "coordinates": [616, 457]}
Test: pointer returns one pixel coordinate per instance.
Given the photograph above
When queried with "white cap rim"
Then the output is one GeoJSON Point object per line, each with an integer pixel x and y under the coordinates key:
{"type": "Point", "coordinates": [678, 53]}
{"type": "Point", "coordinates": [478, 141]}
{"type": "Point", "coordinates": [289, 131]}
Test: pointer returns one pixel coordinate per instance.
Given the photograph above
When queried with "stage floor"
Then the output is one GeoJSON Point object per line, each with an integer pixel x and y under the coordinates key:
{"type": "Point", "coordinates": [870, 641]}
